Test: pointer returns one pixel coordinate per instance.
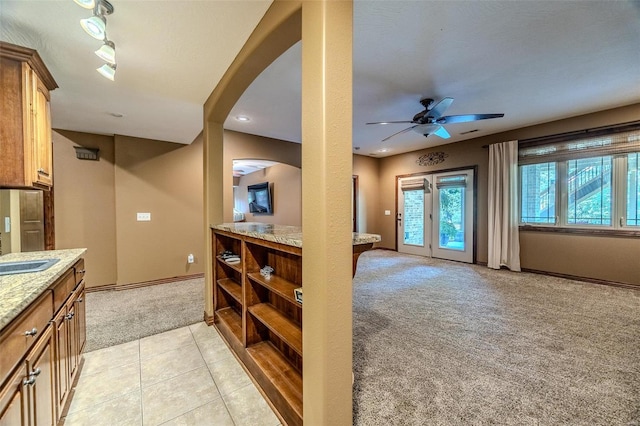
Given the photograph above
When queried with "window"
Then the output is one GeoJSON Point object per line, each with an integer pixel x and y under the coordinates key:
{"type": "Point", "coordinates": [538, 193]}
{"type": "Point", "coordinates": [585, 183]}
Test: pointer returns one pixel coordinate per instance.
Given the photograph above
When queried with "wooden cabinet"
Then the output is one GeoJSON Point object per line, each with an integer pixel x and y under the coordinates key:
{"type": "Point", "coordinates": [42, 352]}
{"type": "Point", "coordinates": [25, 122]}
{"type": "Point", "coordinates": [260, 318]}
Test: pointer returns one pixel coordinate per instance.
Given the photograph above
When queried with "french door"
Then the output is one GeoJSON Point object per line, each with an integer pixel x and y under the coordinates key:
{"type": "Point", "coordinates": [435, 215]}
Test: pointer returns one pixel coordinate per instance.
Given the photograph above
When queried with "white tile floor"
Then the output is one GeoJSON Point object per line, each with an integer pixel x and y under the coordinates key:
{"type": "Point", "coordinates": [186, 376]}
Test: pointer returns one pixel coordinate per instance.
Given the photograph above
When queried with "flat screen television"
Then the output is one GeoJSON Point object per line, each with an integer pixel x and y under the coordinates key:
{"type": "Point", "coordinates": [260, 198]}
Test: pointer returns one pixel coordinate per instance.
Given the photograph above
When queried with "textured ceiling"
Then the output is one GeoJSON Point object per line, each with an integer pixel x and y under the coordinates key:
{"type": "Point", "coordinates": [534, 61]}
{"type": "Point", "coordinates": [170, 54]}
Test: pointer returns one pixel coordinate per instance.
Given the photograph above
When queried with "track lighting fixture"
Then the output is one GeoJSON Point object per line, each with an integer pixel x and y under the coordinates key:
{"type": "Point", "coordinates": [96, 27]}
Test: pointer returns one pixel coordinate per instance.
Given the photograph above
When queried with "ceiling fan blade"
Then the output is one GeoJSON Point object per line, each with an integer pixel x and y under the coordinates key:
{"type": "Point", "coordinates": [450, 119]}
{"type": "Point", "coordinates": [401, 131]}
{"type": "Point", "coordinates": [390, 122]}
{"type": "Point", "coordinates": [442, 132]}
{"type": "Point", "coordinates": [439, 108]}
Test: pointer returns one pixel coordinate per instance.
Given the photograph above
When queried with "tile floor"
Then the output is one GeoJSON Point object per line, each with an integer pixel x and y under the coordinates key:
{"type": "Point", "coordinates": [186, 376]}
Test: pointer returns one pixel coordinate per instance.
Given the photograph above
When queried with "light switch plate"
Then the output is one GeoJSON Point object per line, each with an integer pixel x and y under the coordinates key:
{"type": "Point", "coordinates": [387, 212]}
{"type": "Point", "coordinates": [7, 225]}
{"type": "Point", "coordinates": [144, 217]}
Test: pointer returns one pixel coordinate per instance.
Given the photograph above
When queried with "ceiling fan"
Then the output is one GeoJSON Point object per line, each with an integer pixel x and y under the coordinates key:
{"type": "Point", "coordinates": [430, 120]}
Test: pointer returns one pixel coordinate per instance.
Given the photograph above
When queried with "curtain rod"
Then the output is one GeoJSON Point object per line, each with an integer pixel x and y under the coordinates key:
{"type": "Point", "coordinates": [594, 131]}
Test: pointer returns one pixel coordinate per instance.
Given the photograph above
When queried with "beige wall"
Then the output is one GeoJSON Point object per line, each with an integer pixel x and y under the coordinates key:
{"type": "Point", "coordinates": [606, 258]}
{"type": "Point", "coordinates": [368, 202]}
{"type": "Point", "coordinates": [96, 204]}
{"type": "Point", "coordinates": [164, 179]}
{"type": "Point", "coordinates": [287, 195]}
{"type": "Point", "coordinates": [84, 202]}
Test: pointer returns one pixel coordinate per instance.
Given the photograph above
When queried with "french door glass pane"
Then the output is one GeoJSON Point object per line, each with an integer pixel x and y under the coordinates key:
{"type": "Point", "coordinates": [633, 189]}
{"type": "Point", "coordinates": [451, 235]}
{"type": "Point", "coordinates": [538, 193]}
{"type": "Point", "coordinates": [589, 191]}
{"type": "Point", "coordinates": [414, 217]}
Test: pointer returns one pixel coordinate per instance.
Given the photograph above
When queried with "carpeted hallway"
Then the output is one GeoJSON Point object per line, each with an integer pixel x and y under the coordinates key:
{"type": "Point", "coordinates": [444, 343]}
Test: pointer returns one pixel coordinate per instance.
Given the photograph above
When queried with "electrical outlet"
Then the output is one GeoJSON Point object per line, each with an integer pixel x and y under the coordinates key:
{"type": "Point", "coordinates": [143, 217]}
{"type": "Point", "coordinates": [190, 258]}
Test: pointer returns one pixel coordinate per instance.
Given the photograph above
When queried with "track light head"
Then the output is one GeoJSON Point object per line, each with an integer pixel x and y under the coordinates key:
{"type": "Point", "coordinates": [107, 52]}
{"type": "Point", "coordinates": [108, 71]}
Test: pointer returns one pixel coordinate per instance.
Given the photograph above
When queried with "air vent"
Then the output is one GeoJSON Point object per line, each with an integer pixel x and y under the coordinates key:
{"type": "Point", "coordinates": [469, 131]}
{"type": "Point", "coordinates": [83, 153]}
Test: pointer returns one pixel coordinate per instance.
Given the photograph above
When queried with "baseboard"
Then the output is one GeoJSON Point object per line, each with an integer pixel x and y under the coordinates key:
{"type": "Point", "coordinates": [208, 318]}
{"type": "Point", "coordinates": [584, 279]}
{"type": "Point", "coordinates": [116, 287]}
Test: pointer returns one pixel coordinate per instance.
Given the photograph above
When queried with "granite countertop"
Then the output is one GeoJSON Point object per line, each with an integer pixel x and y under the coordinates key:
{"type": "Point", "coordinates": [289, 235]}
{"type": "Point", "coordinates": [17, 291]}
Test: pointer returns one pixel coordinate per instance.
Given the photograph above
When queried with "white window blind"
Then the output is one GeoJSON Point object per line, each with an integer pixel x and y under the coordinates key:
{"type": "Point", "coordinates": [613, 144]}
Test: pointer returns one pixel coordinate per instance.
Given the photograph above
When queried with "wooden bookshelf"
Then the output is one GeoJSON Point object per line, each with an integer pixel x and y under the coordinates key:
{"type": "Point", "coordinates": [259, 316]}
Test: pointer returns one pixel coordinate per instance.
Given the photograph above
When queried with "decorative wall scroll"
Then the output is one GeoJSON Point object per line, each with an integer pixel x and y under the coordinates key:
{"type": "Point", "coordinates": [431, 159]}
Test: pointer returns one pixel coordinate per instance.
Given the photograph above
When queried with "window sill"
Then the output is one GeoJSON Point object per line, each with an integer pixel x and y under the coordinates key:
{"type": "Point", "coordinates": [625, 233]}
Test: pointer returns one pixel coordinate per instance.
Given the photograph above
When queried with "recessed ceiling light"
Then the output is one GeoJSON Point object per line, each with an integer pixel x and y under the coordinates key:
{"type": "Point", "coordinates": [242, 118]}
{"type": "Point", "coordinates": [383, 150]}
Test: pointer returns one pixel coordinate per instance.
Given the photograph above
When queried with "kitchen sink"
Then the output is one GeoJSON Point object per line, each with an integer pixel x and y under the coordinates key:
{"type": "Point", "coordinates": [8, 268]}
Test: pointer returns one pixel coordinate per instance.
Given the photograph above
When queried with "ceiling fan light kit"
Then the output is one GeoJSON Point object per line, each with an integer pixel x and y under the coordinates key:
{"type": "Point", "coordinates": [430, 121]}
{"type": "Point", "coordinates": [96, 27]}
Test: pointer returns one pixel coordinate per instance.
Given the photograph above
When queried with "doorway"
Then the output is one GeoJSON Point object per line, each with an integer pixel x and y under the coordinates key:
{"type": "Point", "coordinates": [435, 215]}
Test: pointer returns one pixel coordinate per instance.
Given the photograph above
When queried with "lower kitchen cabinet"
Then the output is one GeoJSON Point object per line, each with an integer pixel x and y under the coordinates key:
{"type": "Point", "coordinates": [36, 390]}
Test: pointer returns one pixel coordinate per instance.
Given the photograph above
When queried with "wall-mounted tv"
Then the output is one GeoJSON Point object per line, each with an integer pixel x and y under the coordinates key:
{"type": "Point", "coordinates": [260, 198]}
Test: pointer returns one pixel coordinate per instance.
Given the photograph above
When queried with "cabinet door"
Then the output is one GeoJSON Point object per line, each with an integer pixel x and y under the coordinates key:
{"type": "Point", "coordinates": [81, 320]}
{"type": "Point", "coordinates": [73, 338]}
{"type": "Point", "coordinates": [41, 381]}
{"type": "Point", "coordinates": [61, 355]}
{"type": "Point", "coordinates": [13, 400]}
{"type": "Point", "coordinates": [42, 148]}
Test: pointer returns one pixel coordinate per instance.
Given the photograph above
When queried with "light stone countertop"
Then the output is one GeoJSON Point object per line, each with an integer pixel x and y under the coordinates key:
{"type": "Point", "coordinates": [288, 235]}
{"type": "Point", "coordinates": [17, 291]}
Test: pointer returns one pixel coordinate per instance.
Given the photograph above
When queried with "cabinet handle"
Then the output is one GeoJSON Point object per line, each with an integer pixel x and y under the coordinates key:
{"type": "Point", "coordinates": [31, 332]}
{"type": "Point", "coordinates": [81, 271]}
{"type": "Point", "coordinates": [35, 373]}
{"type": "Point", "coordinates": [29, 382]}
{"type": "Point", "coordinates": [70, 316]}
{"type": "Point", "coordinates": [80, 300]}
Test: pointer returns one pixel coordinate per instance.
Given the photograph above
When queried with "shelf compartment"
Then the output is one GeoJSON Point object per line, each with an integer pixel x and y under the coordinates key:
{"type": "Point", "coordinates": [283, 377]}
{"type": "Point", "coordinates": [232, 321]}
{"type": "Point", "coordinates": [232, 288]}
{"type": "Point", "coordinates": [278, 324]}
{"type": "Point", "coordinates": [236, 267]}
{"type": "Point", "coordinates": [280, 286]}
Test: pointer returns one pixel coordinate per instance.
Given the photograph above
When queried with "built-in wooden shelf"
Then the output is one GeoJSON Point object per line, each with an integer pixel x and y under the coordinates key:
{"type": "Point", "coordinates": [232, 288]}
{"type": "Point", "coordinates": [286, 379]}
{"type": "Point", "coordinates": [279, 324]}
{"type": "Point", "coordinates": [276, 284]}
{"type": "Point", "coordinates": [230, 319]}
{"type": "Point", "coordinates": [235, 266]}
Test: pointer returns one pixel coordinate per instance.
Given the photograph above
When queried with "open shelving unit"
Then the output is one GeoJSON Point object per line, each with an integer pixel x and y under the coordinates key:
{"type": "Point", "coordinates": [260, 318]}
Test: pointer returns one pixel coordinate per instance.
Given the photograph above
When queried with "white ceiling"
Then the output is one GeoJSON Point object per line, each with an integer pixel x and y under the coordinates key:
{"type": "Point", "coordinates": [534, 61]}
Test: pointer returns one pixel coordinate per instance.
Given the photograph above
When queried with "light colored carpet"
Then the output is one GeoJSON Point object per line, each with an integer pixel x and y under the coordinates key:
{"type": "Point", "coordinates": [444, 343]}
{"type": "Point", "coordinates": [115, 317]}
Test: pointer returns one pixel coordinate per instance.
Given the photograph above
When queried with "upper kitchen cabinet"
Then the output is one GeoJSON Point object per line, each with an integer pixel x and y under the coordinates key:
{"type": "Point", "coordinates": [25, 120]}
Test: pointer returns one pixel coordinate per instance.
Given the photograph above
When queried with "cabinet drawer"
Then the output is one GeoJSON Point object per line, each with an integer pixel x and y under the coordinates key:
{"type": "Point", "coordinates": [13, 340]}
{"type": "Point", "coordinates": [79, 270]}
{"type": "Point", "coordinates": [62, 289]}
